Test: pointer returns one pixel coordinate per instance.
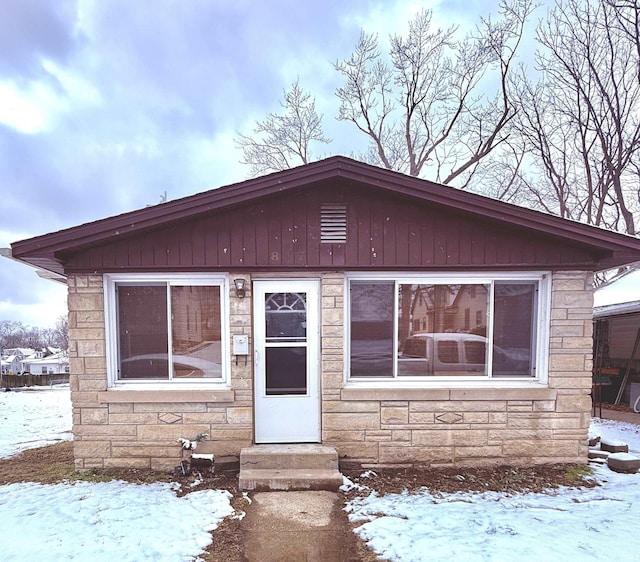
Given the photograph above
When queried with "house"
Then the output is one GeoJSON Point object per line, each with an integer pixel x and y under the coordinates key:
{"type": "Point", "coordinates": [10, 364]}
{"type": "Point", "coordinates": [13, 359]}
{"type": "Point", "coordinates": [54, 363]}
{"type": "Point", "coordinates": [616, 329]}
{"type": "Point", "coordinates": [275, 310]}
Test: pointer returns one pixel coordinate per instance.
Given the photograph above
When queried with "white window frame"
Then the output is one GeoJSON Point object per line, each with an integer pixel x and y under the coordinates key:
{"type": "Point", "coordinates": [111, 329]}
{"type": "Point", "coordinates": [544, 280]}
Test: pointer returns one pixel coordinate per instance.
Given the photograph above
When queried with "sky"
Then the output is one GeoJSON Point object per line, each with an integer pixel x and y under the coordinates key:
{"type": "Point", "coordinates": [108, 105]}
{"type": "Point", "coordinates": [104, 521]}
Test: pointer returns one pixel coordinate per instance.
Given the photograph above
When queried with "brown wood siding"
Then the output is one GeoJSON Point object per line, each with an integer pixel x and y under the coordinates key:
{"type": "Point", "coordinates": [384, 231]}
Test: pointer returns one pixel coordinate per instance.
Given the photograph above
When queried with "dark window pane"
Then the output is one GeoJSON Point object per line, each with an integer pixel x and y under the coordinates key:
{"type": "Point", "coordinates": [448, 351]}
{"type": "Point", "coordinates": [513, 329]}
{"type": "Point", "coordinates": [372, 309]}
{"type": "Point", "coordinates": [142, 327]}
{"type": "Point", "coordinates": [196, 332]}
{"type": "Point", "coordinates": [286, 370]}
{"type": "Point", "coordinates": [476, 352]}
{"type": "Point", "coordinates": [417, 356]}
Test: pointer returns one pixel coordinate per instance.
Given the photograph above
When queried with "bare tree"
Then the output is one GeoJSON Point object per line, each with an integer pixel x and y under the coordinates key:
{"type": "Point", "coordinates": [427, 108]}
{"type": "Point", "coordinates": [627, 20]}
{"type": "Point", "coordinates": [61, 333]}
{"type": "Point", "coordinates": [12, 334]}
{"type": "Point", "coordinates": [284, 140]}
{"type": "Point", "coordinates": [15, 334]}
{"type": "Point", "coordinates": [581, 121]}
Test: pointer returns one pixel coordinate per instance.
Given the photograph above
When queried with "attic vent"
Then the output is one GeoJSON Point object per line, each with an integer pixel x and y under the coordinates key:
{"type": "Point", "coordinates": [333, 223]}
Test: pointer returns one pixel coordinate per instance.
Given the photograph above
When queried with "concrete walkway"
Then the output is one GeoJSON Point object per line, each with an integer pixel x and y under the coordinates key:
{"type": "Point", "coordinates": [311, 526]}
{"type": "Point", "coordinates": [298, 527]}
{"type": "Point", "coordinates": [629, 417]}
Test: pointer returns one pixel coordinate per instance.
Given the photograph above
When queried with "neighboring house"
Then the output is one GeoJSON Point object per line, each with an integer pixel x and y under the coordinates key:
{"type": "Point", "coordinates": [275, 311]}
{"type": "Point", "coordinates": [616, 329]}
{"type": "Point", "coordinates": [11, 364]}
{"type": "Point", "coordinates": [56, 363]}
{"type": "Point", "coordinates": [12, 359]}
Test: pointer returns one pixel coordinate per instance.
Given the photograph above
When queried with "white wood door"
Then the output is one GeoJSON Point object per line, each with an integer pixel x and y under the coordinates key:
{"type": "Point", "coordinates": [286, 349]}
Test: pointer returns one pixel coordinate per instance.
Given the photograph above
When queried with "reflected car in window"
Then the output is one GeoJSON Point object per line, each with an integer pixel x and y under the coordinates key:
{"type": "Point", "coordinates": [457, 354]}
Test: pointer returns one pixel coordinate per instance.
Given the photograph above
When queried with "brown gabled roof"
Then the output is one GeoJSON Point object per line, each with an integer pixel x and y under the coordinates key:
{"type": "Point", "coordinates": [48, 251]}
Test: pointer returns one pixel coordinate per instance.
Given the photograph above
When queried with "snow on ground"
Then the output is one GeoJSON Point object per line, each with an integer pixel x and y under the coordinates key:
{"type": "Point", "coordinates": [97, 522]}
{"type": "Point", "coordinates": [107, 521]}
{"type": "Point", "coordinates": [590, 524]}
{"type": "Point", "coordinates": [34, 417]}
{"type": "Point", "coordinates": [85, 521]}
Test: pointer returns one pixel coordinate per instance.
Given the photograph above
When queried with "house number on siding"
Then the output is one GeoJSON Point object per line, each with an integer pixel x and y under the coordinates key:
{"type": "Point", "coordinates": [275, 256]}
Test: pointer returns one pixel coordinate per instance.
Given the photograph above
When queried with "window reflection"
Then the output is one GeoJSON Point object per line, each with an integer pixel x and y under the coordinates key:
{"type": "Point", "coordinates": [372, 321]}
{"type": "Point", "coordinates": [190, 326]}
{"type": "Point", "coordinates": [196, 331]}
{"type": "Point", "coordinates": [442, 329]}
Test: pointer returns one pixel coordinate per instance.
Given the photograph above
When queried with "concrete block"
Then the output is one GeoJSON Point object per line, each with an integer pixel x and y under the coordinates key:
{"type": "Point", "coordinates": [345, 435]}
{"type": "Point", "coordinates": [351, 421]}
{"type": "Point", "coordinates": [613, 446]}
{"type": "Point", "coordinates": [598, 453]}
{"type": "Point", "coordinates": [394, 415]}
{"type": "Point", "coordinates": [623, 462]}
{"type": "Point", "coordinates": [573, 403]}
{"type": "Point", "coordinates": [351, 406]}
{"type": "Point", "coordinates": [93, 416]}
{"type": "Point", "coordinates": [92, 449]}
{"type": "Point", "coordinates": [393, 453]}
{"type": "Point", "coordinates": [449, 437]}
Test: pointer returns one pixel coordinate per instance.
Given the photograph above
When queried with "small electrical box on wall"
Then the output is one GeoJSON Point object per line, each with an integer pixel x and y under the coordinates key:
{"type": "Point", "coordinates": [241, 344]}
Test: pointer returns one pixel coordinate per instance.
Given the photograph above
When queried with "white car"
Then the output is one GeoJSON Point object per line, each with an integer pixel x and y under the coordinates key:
{"type": "Point", "coordinates": [457, 354]}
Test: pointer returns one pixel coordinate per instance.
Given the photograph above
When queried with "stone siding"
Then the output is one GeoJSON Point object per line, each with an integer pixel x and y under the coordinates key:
{"type": "Point", "coordinates": [140, 428]}
{"type": "Point", "coordinates": [470, 426]}
{"type": "Point", "coordinates": [438, 426]}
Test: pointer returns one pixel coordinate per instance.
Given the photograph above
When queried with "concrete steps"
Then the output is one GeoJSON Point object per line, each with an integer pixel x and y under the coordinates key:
{"type": "Point", "coordinates": [289, 467]}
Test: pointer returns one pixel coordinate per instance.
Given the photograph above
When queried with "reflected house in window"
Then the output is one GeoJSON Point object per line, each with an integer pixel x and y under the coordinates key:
{"type": "Point", "coordinates": [389, 317]}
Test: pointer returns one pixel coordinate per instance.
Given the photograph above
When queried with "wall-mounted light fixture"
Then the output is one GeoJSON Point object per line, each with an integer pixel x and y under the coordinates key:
{"type": "Point", "coordinates": [240, 287]}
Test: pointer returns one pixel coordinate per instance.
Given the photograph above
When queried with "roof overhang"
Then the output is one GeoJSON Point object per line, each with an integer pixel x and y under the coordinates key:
{"type": "Point", "coordinates": [47, 252]}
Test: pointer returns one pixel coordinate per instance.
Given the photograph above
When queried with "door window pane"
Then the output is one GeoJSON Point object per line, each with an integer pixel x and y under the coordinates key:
{"type": "Point", "coordinates": [286, 317]}
{"type": "Point", "coordinates": [372, 323]}
{"type": "Point", "coordinates": [286, 370]}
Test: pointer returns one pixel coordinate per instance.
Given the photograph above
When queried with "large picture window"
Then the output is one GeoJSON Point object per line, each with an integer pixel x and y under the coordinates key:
{"type": "Point", "coordinates": [423, 328]}
{"type": "Point", "coordinates": [166, 330]}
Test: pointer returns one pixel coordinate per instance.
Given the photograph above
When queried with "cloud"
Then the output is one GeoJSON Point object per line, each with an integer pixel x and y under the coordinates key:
{"type": "Point", "coordinates": [114, 102]}
{"type": "Point", "coordinates": [32, 30]}
{"type": "Point", "coordinates": [29, 299]}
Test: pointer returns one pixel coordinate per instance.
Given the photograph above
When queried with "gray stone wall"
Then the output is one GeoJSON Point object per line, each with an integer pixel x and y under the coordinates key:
{"type": "Point", "coordinates": [393, 425]}
{"type": "Point", "coordinates": [140, 428]}
{"type": "Point", "coordinates": [473, 425]}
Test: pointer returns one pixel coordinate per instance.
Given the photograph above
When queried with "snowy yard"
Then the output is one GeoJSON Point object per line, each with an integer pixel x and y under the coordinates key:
{"type": "Point", "coordinates": [102, 521]}
{"type": "Point", "coordinates": [591, 524]}
{"type": "Point", "coordinates": [34, 418]}
{"type": "Point", "coordinates": [122, 521]}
